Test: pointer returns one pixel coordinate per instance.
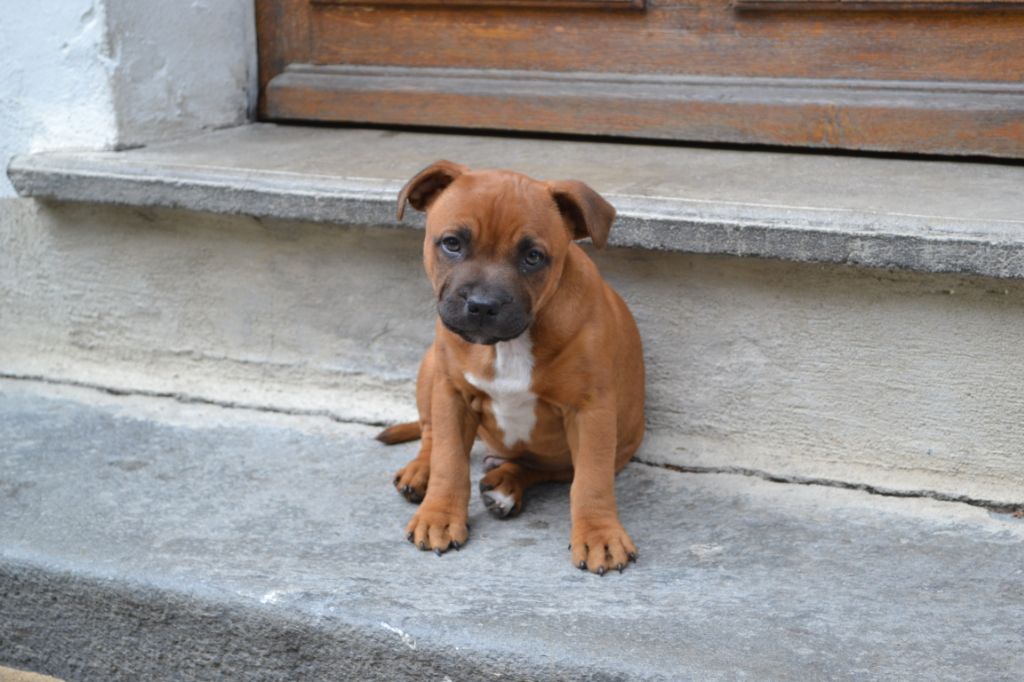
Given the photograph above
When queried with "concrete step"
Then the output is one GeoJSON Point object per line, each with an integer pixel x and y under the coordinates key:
{"type": "Point", "coordinates": [147, 538]}
{"type": "Point", "coordinates": [928, 216]}
{"type": "Point", "coordinates": [261, 267]}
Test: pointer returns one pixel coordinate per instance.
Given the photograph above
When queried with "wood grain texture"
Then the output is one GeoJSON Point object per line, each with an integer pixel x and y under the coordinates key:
{"type": "Point", "coordinates": [703, 39]}
{"type": "Point", "coordinates": [549, 4]}
{"type": "Point", "coordinates": [901, 5]}
{"type": "Point", "coordinates": [283, 37]}
{"type": "Point", "coordinates": [822, 113]}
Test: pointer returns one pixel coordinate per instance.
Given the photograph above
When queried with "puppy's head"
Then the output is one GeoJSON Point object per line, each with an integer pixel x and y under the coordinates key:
{"type": "Point", "coordinates": [496, 243]}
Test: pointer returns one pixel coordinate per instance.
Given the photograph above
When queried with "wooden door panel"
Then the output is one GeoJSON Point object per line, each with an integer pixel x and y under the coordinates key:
{"type": "Point", "coordinates": [905, 5]}
{"type": "Point", "coordinates": [797, 112]}
{"type": "Point", "coordinates": [932, 81]}
{"type": "Point", "coordinates": [812, 45]}
{"type": "Point", "coordinates": [548, 4]}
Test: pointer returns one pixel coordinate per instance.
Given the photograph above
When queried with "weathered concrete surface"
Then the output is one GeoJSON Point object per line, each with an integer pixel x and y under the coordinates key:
{"type": "Point", "coordinates": [145, 539]}
{"type": "Point", "coordinates": [11, 675]}
{"type": "Point", "coordinates": [901, 381]}
{"type": "Point", "coordinates": [231, 310]}
{"type": "Point", "coordinates": [932, 216]}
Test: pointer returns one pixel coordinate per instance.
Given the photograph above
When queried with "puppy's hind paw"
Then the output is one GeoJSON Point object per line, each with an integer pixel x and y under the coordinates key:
{"type": "Point", "coordinates": [500, 504]}
{"type": "Point", "coordinates": [502, 493]}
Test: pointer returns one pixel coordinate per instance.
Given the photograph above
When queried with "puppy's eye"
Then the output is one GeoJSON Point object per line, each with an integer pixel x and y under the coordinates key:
{"type": "Point", "coordinates": [451, 244]}
{"type": "Point", "coordinates": [533, 258]}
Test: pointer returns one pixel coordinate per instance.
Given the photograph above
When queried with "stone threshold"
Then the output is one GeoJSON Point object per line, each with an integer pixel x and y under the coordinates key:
{"type": "Point", "coordinates": [921, 215]}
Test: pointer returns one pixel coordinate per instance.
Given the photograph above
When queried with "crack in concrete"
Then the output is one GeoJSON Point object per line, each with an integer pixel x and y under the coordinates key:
{"type": "Point", "coordinates": [1014, 509]}
{"type": "Point", "coordinates": [192, 399]}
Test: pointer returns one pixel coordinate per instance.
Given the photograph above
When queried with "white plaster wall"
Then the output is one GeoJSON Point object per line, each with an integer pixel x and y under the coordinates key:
{"type": "Point", "coordinates": [100, 74]}
{"type": "Point", "coordinates": [55, 79]}
{"type": "Point", "coordinates": [181, 66]}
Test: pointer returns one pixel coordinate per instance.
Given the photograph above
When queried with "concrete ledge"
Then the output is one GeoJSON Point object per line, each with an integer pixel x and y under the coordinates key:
{"type": "Point", "coordinates": [145, 539]}
{"type": "Point", "coordinates": [929, 216]}
{"type": "Point", "coordinates": [895, 380]}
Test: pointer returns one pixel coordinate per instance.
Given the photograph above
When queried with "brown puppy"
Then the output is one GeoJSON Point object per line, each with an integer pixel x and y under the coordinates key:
{"type": "Point", "coordinates": [533, 352]}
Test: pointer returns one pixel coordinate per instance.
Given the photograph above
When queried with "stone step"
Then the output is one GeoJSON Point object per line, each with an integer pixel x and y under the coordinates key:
{"type": "Point", "coordinates": [146, 271]}
{"type": "Point", "coordinates": [147, 538]}
{"type": "Point", "coordinates": [924, 215]}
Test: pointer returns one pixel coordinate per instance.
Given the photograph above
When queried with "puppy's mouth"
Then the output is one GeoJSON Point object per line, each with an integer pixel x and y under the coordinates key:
{"type": "Point", "coordinates": [480, 337]}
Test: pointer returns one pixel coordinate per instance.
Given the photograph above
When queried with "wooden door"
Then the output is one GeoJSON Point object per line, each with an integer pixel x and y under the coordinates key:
{"type": "Point", "coordinates": [924, 76]}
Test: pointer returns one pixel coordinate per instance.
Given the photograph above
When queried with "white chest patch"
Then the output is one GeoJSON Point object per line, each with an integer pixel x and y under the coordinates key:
{"type": "Point", "coordinates": [509, 390]}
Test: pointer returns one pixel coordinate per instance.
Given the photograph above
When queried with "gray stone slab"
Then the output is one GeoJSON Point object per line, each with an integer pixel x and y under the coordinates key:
{"type": "Point", "coordinates": [147, 539]}
{"type": "Point", "coordinates": [931, 216]}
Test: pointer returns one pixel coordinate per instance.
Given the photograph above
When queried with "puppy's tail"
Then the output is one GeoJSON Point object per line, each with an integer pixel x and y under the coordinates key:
{"type": "Point", "coordinates": [399, 433]}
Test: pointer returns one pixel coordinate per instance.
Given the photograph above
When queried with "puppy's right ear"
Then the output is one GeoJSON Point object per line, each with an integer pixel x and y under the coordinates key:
{"type": "Point", "coordinates": [421, 191]}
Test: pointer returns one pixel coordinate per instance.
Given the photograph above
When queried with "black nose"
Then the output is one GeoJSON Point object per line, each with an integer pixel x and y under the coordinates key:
{"type": "Point", "coordinates": [482, 306]}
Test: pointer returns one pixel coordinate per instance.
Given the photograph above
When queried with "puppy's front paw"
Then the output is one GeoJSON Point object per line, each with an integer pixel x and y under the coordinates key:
{"type": "Point", "coordinates": [411, 480]}
{"type": "Point", "coordinates": [600, 546]}
{"type": "Point", "coordinates": [437, 529]}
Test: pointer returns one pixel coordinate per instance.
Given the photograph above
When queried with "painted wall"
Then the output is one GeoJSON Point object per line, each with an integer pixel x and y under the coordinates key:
{"type": "Point", "coordinates": [55, 79]}
{"type": "Point", "coordinates": [181, 66]}
{"type": "Point", "coordinates": [103, 74]}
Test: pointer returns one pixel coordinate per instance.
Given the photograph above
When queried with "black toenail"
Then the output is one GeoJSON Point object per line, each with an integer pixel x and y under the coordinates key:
{"type": "Point", "coordinates": [600, 571]}
{"type": "Point", "coordinates": [437, 551]}
{"type": "Point", "coordinates": [582, 565]}
{"type": "Point", "coordinates": [569, 547]}
{"type": "Point", "coordinates": [457, 545]}
{"type": "Point", "coordinates": [423, 544]}
{"type": "Point", "coordinates": [620, 567]}
{"type": "Point", "coordinates": [632, 556]}
{"type": "Point", "coordinates": [409, 536]}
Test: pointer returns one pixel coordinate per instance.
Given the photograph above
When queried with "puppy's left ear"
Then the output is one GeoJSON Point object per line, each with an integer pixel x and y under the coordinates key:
{"type": "Point", "coordinates": [587, 213]}
{"type": "Point", "coordinates": [421, 191]}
